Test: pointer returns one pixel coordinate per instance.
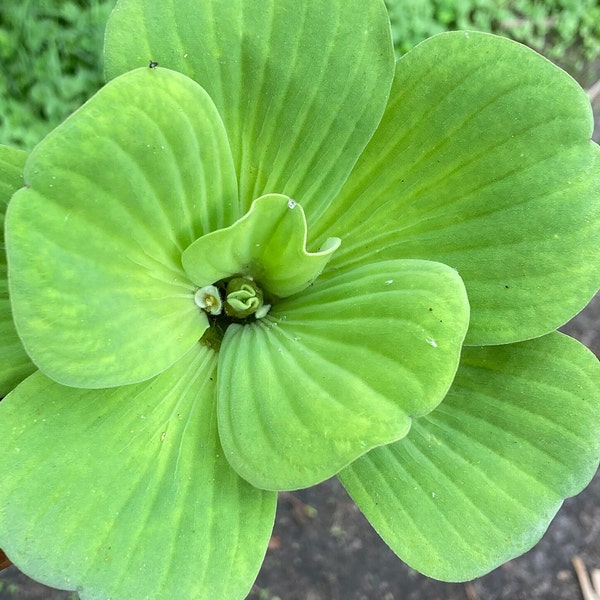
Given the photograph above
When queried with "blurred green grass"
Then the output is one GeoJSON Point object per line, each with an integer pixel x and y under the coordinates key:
{"type": "Point", "coordinates": [50, 57]}
{"type": "Point", "coordinates": [555, 28]}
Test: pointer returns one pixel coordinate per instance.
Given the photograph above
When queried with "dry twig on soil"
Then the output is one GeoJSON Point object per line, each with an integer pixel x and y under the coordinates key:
{"type": "Point", "coordinates": [589, 589]}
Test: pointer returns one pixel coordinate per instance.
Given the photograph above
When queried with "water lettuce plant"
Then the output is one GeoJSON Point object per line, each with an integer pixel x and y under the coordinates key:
{"type": "Point", "coordinates": [265, 254]}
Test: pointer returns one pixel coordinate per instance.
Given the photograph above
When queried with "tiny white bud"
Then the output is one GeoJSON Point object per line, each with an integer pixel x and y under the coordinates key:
{"type": "Point", "coordinates": [209, 299]}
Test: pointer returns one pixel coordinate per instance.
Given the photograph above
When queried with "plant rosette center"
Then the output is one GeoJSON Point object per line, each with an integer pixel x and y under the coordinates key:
{"type": "Point", "coordinates": [229, 301]}
{"type": "Point", "coordinates": [252, 263]}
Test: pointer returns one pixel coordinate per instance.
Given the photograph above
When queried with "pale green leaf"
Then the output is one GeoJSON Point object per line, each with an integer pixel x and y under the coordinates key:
{"type": "Point", "coordinates": [301, 86]}
{"type": "Point", "coordinates": [476, 482]}
{"type": "Point", "coordinates": [15, 365]}
{"type": "Point", "coordinates": [268, 244]}
{"type": "Point", "coordinates": [338, 369]}
{"type": "Point", "coordinates": [483, 161]}
{"type": "Point", "coordinates": [114, 195]}
{"type": "Point", "coordinates": [125, 493]}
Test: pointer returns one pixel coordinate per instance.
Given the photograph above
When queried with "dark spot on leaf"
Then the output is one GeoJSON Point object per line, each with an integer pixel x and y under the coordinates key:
{"type": "Point", "coordinates": [506, 286]}
{"type": "Point", "coordinates": [153, 64]}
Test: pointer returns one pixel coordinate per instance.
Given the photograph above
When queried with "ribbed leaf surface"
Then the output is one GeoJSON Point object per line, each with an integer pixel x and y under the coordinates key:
{"type": "Point", "coordinates": [483, 161]}
{"type": "Point", "coordinates": [301, 86]}
{"type": "Point", "coordinates": [125, 493]}
{"type": "Point", "coordinates": [338, 369]}
{"type": "Point", "coordinates": [476, 482]}
{"type": "Point", "coordinates": [114, 195]}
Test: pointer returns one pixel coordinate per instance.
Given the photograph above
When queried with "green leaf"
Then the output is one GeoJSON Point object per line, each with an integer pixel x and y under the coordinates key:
{"type": "Point", "coordinates": [268, 244]}
{"type": "Point", "coordinates": [15, 365]}
{"type": "Point", "coordinates": [483, 161]}
{"type": "Point", "coordinates": [338, 369]}
{"type": "Point", "coordinates": [476, 482]}
{"type": "Point", "coordinates": [301, 86]}
{"type": "Point", "coordinates": [114, 196]}
{"type": "Point", "coordinates": [125, 493]}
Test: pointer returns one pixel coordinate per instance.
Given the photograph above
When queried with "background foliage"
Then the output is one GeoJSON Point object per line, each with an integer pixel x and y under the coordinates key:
{"type": "Point", "coordinates": [552, 27]}
{"type": "Point", "coordinates": [50, 50]}
{"type": "Point", "coordinates": [50, 55]}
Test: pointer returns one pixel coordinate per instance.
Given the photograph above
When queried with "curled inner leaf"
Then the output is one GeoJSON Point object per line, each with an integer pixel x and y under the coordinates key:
{"type": "Point", "coordinates": [267, 245]}
{"type": "Point", "coordinates": [243, 297]}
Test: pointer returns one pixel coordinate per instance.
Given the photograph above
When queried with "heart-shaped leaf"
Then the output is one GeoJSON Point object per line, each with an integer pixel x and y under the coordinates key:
{"type": "Point", "coordinates": [114, 195]}
{"type": "Point", "coordinates": [476, 482]}
{"type": "Point", "coordinates": [338, 369]}
{"type": "Point", "coordinates": [301, 86]}
{"type": "Point", "coordinates": [15, 365]}
{"type": "Point", "coordinates": [125, 493]}
{"type": "Point", "coordinates": [482, 161]}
